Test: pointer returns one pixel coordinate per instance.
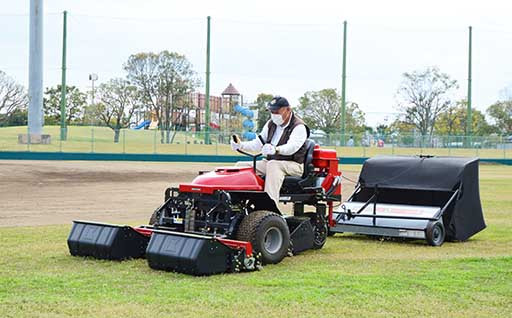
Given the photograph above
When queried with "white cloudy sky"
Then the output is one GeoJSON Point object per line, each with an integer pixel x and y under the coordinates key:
{"type": "Point", "coordinates": [279, 47]}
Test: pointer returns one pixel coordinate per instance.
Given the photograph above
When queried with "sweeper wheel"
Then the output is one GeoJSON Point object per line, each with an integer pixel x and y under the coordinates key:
{"type": "Point", "coordinates": [268, 234]}
{"type": "Point", "coordinates": [435, 233]}
{"type": "Point", "coordinates": [320, 229]}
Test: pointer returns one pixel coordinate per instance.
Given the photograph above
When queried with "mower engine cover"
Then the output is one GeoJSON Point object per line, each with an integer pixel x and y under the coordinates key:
{"type": "Point", "coordinates": [428, 181]}
{"type": "Point", "coordinates": [225, 178]}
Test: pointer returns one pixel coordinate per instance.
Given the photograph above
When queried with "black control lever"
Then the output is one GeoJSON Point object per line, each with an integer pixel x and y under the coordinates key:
{"type": "Point", "coordinates": [261, 140]}
{"type": "Point", "coordinates": [254, 157]}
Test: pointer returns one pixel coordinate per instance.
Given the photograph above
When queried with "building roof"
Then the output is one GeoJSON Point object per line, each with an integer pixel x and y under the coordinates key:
{"type": "Point", "coordinates": [231, 90]}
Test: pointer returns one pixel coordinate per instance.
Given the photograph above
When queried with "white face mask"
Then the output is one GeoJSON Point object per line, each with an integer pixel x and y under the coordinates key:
{"type": "Point", "coordinates": [277, 119]}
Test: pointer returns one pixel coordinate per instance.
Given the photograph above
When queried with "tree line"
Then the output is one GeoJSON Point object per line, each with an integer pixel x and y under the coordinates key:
{"type": "Point", "coordinates": [156, 82]}
{"type": "Point", "coordinates": [161, 83]}
{"type": "Point", "coordinates": [426, 104]}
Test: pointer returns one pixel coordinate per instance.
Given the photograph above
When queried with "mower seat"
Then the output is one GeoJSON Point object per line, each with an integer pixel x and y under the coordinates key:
{"type": "Point", "coordinates": [292, 184]}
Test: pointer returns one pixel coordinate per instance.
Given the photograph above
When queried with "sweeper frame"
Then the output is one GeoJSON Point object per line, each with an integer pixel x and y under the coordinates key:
{"type": "Point", "coordinates": [418, 197]}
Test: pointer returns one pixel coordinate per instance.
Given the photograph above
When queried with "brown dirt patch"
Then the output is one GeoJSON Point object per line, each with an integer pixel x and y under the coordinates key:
{"type": "Point", "coordinates": [56, 192]}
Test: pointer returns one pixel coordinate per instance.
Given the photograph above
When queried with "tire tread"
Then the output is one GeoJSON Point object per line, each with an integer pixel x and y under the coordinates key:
{"type": "Point", "coordinates": [248, 229]}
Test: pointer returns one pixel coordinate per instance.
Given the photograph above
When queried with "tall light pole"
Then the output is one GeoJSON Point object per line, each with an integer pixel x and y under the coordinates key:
{"type": "Point", "coordinates": [35, 73]}
{"type": "Point", "coordinates": [343, 79]}
{"type": "Point", "coordinates": [93, 77]}
{"type": "Point", "coordinates": [207, 88]}
{"type": "Point", "coordinates": [63, 88]}
{"type": "Point", "coordinates": [469, 120]}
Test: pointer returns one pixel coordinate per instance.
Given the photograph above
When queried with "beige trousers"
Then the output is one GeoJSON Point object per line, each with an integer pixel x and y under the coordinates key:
{"type": "Point", "coordinates": [274, 172]}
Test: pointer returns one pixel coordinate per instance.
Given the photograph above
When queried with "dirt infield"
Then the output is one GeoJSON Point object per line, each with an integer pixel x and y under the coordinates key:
{"type": "Point", "coordinates": [56, 192]}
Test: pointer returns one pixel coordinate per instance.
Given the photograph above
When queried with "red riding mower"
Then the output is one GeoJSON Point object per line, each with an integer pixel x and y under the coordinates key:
{"type": "Point", "coordinates": [223, 221]}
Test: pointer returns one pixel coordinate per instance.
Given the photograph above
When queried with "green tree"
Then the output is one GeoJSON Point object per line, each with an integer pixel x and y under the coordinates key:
{"type": "Point", "coordinates": [453, 121]}
{"type": "Point", "coordinates": [76, 102]}
{"type": "Point", "coordinates": [423, 96]}
{"type": "Point", "coordinates": [383, 130]}
{"type": "Point", "coordinates": [12, 96]}
{"type": "Point", "coordinates": [164, 80]}
{"type": "Point", "coordinates": [501, 113]}
{"type": "Point", "coordinates": [18, 117]}
{"type": "Point", "coordinates": [118, 100]}
{"type": "Point", "coordinates": [401, 127]}
{"type": "Point", "coordinates": [263, 114]}
{"type": "Point", "coordinates": [322, 110]}
{"type": "Point", "coordinates": [354, 118]}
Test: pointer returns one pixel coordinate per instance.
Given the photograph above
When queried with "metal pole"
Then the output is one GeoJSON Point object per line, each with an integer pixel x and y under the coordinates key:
{"type": "Point", "coordinates": [343, 79]}
{"type": "Point", "coordinates": [63, 89]}
{"type": "Point", "coordinates": [154, 141]}
{"type": "Point", "coordinates": [469, 119]}
{"type": "Point", "coordinates": [207, 101]}
{"type": "Point", "coordinates": [93, 92]}
{"type": "Point", "coordinates": [35, 85]}
{"type": "Point", "coordinates": [92, 77]}
{"type": "Point", "coordinates": [92, 102]}
{"type": "Point", "coordinates": [92, 139]}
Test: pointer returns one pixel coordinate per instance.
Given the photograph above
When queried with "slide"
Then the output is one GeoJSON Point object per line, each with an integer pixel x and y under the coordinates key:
{"type": "Point", "coordinates": [142, 125]}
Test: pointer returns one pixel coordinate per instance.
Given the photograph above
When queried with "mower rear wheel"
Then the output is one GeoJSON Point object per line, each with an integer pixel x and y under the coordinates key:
{"type": "Point", "coordinates": [320, 229]}
{"type": "Point", "coordinates": [435, 233]}
{"type": "Point", "coordinates": [268, 233]}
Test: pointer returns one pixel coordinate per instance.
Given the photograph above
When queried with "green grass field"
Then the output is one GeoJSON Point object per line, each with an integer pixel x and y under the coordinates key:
{"type": "Point", "coordinates": [351, 276]}
{"type": "Point", "coordinates": [100, 139]}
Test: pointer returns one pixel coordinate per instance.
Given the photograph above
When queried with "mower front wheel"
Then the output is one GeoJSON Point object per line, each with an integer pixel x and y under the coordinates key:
{"type": "Point", "coordinates": [268, 233]}
{"type": "Point", "coordinates": [320, 229]}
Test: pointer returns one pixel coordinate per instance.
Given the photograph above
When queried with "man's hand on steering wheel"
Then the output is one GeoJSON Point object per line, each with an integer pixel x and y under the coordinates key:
{"type": "Point", "coordinates": [235, 143]}
{"type": "Point", "coordinates": [268, 150]}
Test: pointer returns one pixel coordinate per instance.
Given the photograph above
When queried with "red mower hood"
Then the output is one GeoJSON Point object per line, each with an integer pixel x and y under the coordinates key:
{"type": "Point", "coordinates": [225, 178]}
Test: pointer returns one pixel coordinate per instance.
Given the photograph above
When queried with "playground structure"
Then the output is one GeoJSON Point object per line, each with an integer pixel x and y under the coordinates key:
{"type": "Point", "coordinates": [247, 124]}
{"type": "Point", "coordinates": [154, 121]}
{"type": "Point", "coordinates": [142, 125]}
{"type": "Point", "coordinates": [224, 110]}
{"type": "Point", "coordinates": [147, 123]}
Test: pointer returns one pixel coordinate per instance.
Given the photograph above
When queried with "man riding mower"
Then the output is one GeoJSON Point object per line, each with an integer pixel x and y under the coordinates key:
{"type": "Point", "coordinates": [228, 219]}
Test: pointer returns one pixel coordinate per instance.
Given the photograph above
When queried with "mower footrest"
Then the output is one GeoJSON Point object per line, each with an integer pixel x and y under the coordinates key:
{"type": "Point", "coordinates": [301, 233]}
{"type": "Point", "coordinates": [189, 253]}
{"type": "Point", "coordinates": [106, 241]}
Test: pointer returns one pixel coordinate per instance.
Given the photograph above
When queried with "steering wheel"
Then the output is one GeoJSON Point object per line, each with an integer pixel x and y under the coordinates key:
{"type": "Point", "coordinates": [254, 157]}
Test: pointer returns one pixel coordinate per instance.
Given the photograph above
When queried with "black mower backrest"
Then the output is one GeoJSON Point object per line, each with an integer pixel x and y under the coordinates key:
{"type": "Point", "coordinates": [308, 160]}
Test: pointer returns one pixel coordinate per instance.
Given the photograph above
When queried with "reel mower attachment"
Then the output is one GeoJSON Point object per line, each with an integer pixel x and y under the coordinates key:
{"type": "Point", "coordinates": [198, 255]}
{"type": "Point", "coordinates": [186, 253]}
{"type": "Point", "coordinates": [106, 241]}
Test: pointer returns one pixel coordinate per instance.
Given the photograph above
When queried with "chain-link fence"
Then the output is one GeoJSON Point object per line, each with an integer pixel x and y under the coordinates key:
{"type": "Point", "coordinates": [89, 139]}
